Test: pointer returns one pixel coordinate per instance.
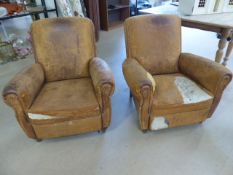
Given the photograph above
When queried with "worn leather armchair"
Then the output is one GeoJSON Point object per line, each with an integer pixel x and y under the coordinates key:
{"type": "Point", "coordinates": [169, 88]}
{"type": "Point", "coordinates": [68, 90]}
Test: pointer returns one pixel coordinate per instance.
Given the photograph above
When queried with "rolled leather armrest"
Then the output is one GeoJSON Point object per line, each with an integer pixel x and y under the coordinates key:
{"type": "Point", "coordinates": [137, 77]}
{"type": "Point", "coordinates": [211, 75]}
{"type": "Point", "coordinates": [20, 93]}
{"type": "Point", "coordinates": [25, 85]}
{"type": "Point", "coordinates": [142, 86]}
{"type": "Point", "coordinates": [104, 86]}
{"type": "Point", "coordinates": [101, 74]}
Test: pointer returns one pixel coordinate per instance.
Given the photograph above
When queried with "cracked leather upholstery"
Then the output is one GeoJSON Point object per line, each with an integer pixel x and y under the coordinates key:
{"type": "Point", "coordinates": [68, 90]}
{"type": "Point", "coordinates": [169, 88]}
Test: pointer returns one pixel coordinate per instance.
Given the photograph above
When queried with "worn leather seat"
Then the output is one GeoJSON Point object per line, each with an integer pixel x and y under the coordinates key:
{"type": "Point", "coordinates": [169, 88]}
{"type": "Point", "coordinates": [64, 100]}
{"type": "Point", "coordinates": [68, 90]}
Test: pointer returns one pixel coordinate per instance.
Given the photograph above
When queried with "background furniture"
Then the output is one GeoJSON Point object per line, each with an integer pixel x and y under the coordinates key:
{"type": "Point", "coordinates": [191, 7]}
{"type": "Point", "coordinates": [113, 12]}
{"type": "Point", "coordinates": [92, 8]}
{"type": "Point", "coordinates": [68, 90]}
{"type": "Point", "coordinates": [34, 10]}
{"type": "Point", "coordinates": [229, 50]}
{"type": "Point", "coordinates": [219, 23]}
{"type": "Point", "coordinates": [169, 88]}
{"type": "Point", "coordinates": [93, 13]}
{"type": "Point", "coordinates": [137, 5]}
{"type": "Point", "coordinates": [3, 12]}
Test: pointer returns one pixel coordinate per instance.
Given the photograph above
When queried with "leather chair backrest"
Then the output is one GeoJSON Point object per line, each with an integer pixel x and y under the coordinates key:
{"type": "Point", "coordinates": [64, 46]}
{"type": "Point", "coordinates": [155, 42]}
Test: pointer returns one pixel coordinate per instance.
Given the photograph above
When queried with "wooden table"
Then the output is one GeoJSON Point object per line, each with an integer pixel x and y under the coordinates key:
{"type": "Point", "coordinates": [220, 23]}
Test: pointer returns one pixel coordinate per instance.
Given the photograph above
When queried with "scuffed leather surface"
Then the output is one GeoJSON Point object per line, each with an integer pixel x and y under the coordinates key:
{"type": "Point", "coordinates": [20, 93]}
{"type": "Point", "coordinates": [104, 86]}
{"type": "Point", "coordinates": [64, 46]}
{"type": "Point", "coordinates": [168, 98]}
{"type": "Point", "coordinates": [208, 73]}
{"type": "Point", "coordinates": [101, 74]}
{"type": "Point", "coordinates": [65, 101]}
{"type": "Point", "coordinates": [59, 95]}
{"type": "Point", "coordinates": [13, 101]}
{"type": "Point", "coordinates": [142, 86]}
{"type": "Point", "coordinates": [65, 128]}
{"type": "Point", "coordinates": [26, 85]}
{"type": "Point", "coordinates": [154, 41]}
{"type": "Point", "coordinates": [153, 44]}
{"type": "Point", "coordinates": [137, 77]}
{"type": "Point", "coordinates": [211, 75]}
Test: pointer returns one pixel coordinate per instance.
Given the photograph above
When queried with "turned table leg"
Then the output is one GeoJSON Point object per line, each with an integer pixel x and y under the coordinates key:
{"type": "Point", "coordinates": [229, 50]}
{"type": "Point", "coordinates": [222, 44]}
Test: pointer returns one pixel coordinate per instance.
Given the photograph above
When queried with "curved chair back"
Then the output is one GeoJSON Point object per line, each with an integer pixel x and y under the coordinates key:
{"type": "Point", "coordinates": [155, 42]}
{"type": "Point", "coordinates": [64, 46]}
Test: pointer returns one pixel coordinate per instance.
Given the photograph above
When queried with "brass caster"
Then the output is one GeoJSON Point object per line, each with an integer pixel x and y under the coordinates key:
{"type": "Point", "coordinates": [38, 140]}
{"type": "Point", "coordinates": [144, 131]}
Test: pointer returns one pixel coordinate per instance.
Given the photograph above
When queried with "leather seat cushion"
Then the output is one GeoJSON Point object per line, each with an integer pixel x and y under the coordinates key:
{"type": "Point", "coordinates": [177, 93]}
{"type": "Point", "coordinates": [63, 101]}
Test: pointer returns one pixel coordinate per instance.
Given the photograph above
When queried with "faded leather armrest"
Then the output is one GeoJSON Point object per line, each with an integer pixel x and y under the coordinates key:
{"type": "Point", "coordinates": [137, 77]}
{"type": "Point", "coordinates": [211, 75]}
{"type": "Point", "coordinates": [142, 86]}
{"type": "Point", "coordinates": [20, 93]}
{"type": "Point", "coordinates": [104, 86]}
{"type": "Point", "coordinates": [208, 73]}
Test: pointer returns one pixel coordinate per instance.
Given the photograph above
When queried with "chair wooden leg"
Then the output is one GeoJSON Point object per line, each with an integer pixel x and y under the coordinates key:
{"type": "Point", "coordinates": [38, 140]}
{"type": "Point", "coordinates": [130, 94]}
{"type": "Point", "coordinates": [104, 130]}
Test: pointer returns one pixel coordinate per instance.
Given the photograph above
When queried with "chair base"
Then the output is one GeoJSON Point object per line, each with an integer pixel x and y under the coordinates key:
{"type": "Point", "coordinates": [67, 128]}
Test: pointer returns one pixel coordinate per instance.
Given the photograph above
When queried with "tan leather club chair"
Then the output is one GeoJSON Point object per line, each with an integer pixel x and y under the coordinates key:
{"type": "Point", "coordinates": [169, 88]}
{"type": "Point", "coordinates": [68, 90]}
